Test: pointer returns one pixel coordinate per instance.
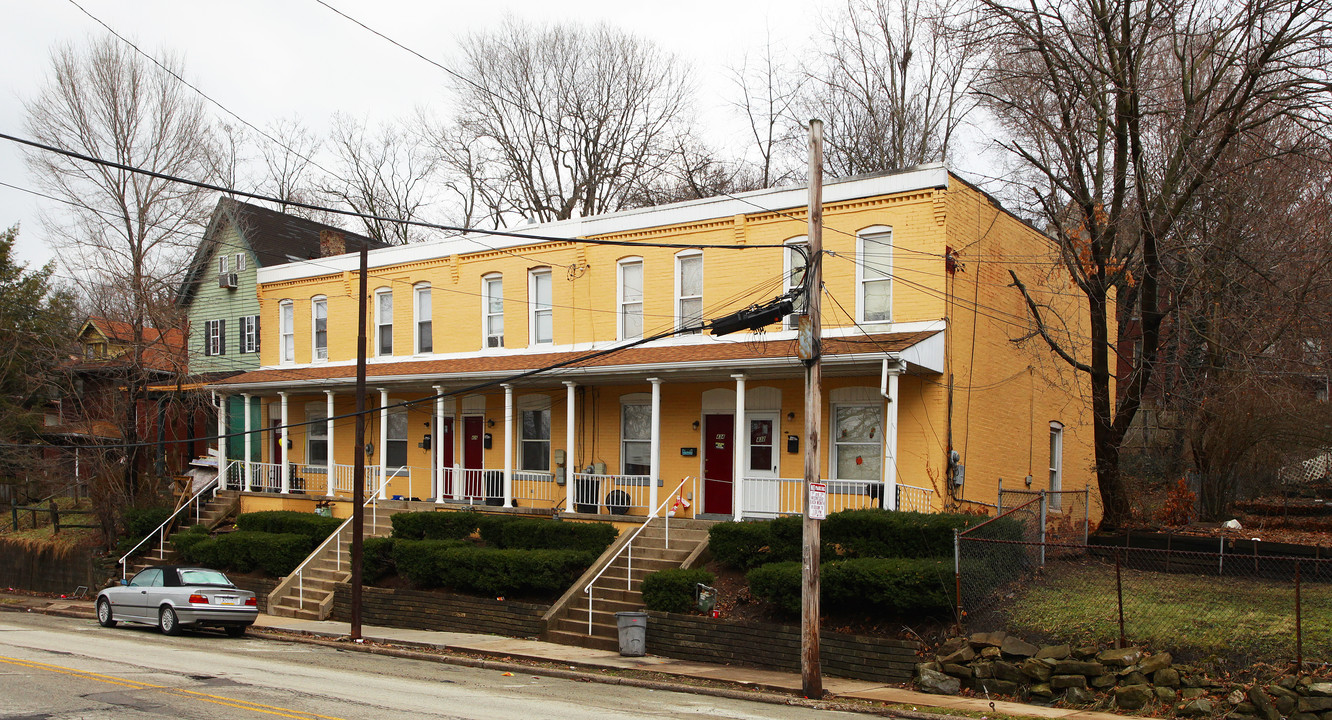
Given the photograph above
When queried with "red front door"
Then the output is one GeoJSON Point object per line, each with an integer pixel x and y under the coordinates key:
{"type": "Point", "coordinates": [474, 430]}
{"type": "Point", "coordinates": [444, 446]}
{"type": "Point", "coordinates": [718, 463]}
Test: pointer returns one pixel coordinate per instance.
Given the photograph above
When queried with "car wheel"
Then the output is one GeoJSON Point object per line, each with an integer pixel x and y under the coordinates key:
{"type": "Point", "coordinates": [167, 621]}
{"type": "Point", "coordinates": [104, 613]}
{"type": "Point", "coordinates": [234, 630]}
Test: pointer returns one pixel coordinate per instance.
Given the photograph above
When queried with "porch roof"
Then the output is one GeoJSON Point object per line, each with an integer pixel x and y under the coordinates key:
{"type": "Point", "coordinates": [701, 361]}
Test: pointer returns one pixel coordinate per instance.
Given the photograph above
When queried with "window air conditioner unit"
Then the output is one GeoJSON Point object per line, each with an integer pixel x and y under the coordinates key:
{"type": "Point", "coordinates": [227, 280]}
{"type": "Point", "coordinates": [494, 341]}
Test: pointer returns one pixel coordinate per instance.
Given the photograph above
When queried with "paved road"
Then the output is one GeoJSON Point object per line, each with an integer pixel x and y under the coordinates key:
{"type": "Point", "coordinates": [65, 668]}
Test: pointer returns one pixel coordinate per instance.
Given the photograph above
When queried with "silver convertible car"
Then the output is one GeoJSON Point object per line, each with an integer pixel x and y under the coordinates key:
{"type": "Point", "coordinates": [173, 597]}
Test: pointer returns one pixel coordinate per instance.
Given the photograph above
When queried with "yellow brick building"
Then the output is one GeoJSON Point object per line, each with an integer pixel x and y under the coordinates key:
{"type": "Point", "coordinates": [504, 370]}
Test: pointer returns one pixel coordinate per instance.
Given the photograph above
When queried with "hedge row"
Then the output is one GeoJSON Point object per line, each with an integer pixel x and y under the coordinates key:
{"type": "Point", "coordinates": [848, 534]}
{"type": "Point", "coordinates": [315, 527]}
{"type": "Point", "coordinates": [673, 590]}
{"type": "Point", "coordinates": [488, 571]}
{"type": "Point", "coordinates": [887, 586]}
{"type": "Point", "coordinates": [277, 554]}
{"type": "Point", "coordinates": [504, 532]}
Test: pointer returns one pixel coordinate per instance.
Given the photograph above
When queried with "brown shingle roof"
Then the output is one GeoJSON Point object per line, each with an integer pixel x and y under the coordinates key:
{"type": "Point", "coordinates": [650, 357]}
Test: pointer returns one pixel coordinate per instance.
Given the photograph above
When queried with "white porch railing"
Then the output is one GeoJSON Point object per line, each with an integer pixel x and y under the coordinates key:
{"type": "Point", "coordinates": [474, 485]}
{"type": "Point", "coordinates": [536, 487]}
{"type": "Point", "coordinates": [344, 476]}
{"type": "Point", "coordinates": [614, 494]}
{"type": "Point", "coordinates": [770, 497]}
{"type": "Point", "coordinates": [264, 477]}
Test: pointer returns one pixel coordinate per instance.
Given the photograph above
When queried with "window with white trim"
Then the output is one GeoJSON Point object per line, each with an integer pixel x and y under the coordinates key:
{"type": "Point", "coordinates": [240, 262]}
{"type": "Point", "coordinates": [396, 452]}
{"type": "Point", "coordinates": [384, 321]}
{"type": "Point", "coordinates": [542, 321]}
{"type": "Point", "coordinates": [794, 272]}
{"type": "Point", "coordinates": [534, 439]}
{"type": "Point", "coordinates": [249, 334]}
{"type": "Point", "coordinates": [1056, 461]}
{"type": "Point", "coordinates": [222, 263]}
{"type": "Point", "coordinates": [874, 271]}
{"type": "Point", "coordinates": [857, 442]}
{"type": "Point", "coordinates": [630, 298]}
{"type": "Point", "coordinates": [688, 289]}
{"type": "Point", "coordinates": [286, 329]}
{"type": "Point", "coordinates": [215, 337]}
{"type": "Point", "coordinates": [635, 438]}
{"type": "Point", "coordinates": [492, 320]}
{"type": "Point", "coordinates": [425, 330]}
{"type": "Point", "coordinates": [316, 433]}
{"type": "Point", "coordinates": [319, 328]}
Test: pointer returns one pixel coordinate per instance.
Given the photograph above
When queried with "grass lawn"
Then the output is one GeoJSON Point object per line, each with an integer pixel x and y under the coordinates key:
{"type": "Point", "coordinates": [67, 537]}
{"type": "Point", "coordinates": [1207, 618]}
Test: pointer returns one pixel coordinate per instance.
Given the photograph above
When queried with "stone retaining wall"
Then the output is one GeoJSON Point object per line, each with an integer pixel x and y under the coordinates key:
{"type": "Point", "coordinates": [777, 647]}
{"type": "Point", "coordinates": [43, 569]}
{"type": "Point", "coordinates": [261, 587]}
{"type": "Point", "coordinates": [420, 610]}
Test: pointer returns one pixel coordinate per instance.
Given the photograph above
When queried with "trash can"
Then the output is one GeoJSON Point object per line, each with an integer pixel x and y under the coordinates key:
{"type": "Point", "coordinates": [633, 633]}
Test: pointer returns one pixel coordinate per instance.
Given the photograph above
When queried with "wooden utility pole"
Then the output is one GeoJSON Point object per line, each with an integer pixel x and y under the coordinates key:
{"type": "Point", "coordinates": [811, 675]}
{"type": "Point", "coordinates": [358, 469]}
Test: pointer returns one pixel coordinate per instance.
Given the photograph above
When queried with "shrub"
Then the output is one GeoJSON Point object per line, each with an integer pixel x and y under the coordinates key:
{"type": "Point", "coordinates": [741, 545]}
{"type": "Point", "coordinates": [376, 558]}
{"type": "Point", "coordinates": [673, 590]}
{"type": "Point", "coordinates": [315, 527]}
{"type": "Point", "coordinates": [488, 571]}
{"type": "Point", "coordinates": [787, 539]}
{"type": "Point", "coordinates": [140, 521]}
{"type": "Point", "coordinates": [186, 539]}
{"type": "Point", "coordinates": [873, 533]}
{"type": "Point", "coordinates": [277, 554]}
{"type": "Point", "coordinates": [543, 534]}
{"type": "Point", "coordinates": [435, 525]}
{"type": "Point", "coordinates": [888, 586]}
{"type": "Point", "coordinates": [420, 561]}
{"type": "Point", "coordinates": [778, 583]}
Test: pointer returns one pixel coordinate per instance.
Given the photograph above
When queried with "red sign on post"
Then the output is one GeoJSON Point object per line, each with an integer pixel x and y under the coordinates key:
{"type": "Point", "coordinates": [818, 501]}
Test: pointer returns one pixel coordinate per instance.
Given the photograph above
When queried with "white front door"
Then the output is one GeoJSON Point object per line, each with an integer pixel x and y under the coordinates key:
{"type": "Point", "coordinates": [762, 490]}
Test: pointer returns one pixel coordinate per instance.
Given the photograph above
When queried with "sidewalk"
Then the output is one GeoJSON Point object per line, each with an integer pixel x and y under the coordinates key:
{"type": "Point", "coordinates": [498, 647]}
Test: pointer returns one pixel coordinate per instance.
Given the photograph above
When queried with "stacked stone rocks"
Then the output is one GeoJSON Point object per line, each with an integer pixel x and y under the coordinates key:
{"type": "Point", "coordinates": [1128, 679]}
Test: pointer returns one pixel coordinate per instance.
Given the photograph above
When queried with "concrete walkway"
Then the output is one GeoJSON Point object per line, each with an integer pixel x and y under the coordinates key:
{"type": "Point", "coordinates": [499, 648]}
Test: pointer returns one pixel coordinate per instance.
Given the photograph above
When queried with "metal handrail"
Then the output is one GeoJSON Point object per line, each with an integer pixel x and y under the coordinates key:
{"type": "Point", "coordinates": [299, 572]}
{"type": "Point", "coordinates": [160, 532]}
{"type": "Point", "coordinates": [628, 547]}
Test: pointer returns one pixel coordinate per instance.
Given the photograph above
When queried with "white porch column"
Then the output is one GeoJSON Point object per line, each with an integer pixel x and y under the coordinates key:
{"type": "Point", "coordinates": [248, 482]}
{"type": "Point", "coordinates": [383, 444]}
{"type": "Point", "coordinates": [328, 432]}
{"type": "Point", "coordinates": [508, 444]}
{"type": "Point", "coordinates": [654, 459]}
{"type": "Point", "coordinates": [221, 445]}
{"type": "Point", "coordinates": [284, 447]}
{"type": "Point", "coordinates": [741, 446]}
{"type": "Point", "coordinates": [437, 437]}
{"type": "Point", "coordinates": [890, 395]}
{"type": "Point", "coordinates": [569, 463]}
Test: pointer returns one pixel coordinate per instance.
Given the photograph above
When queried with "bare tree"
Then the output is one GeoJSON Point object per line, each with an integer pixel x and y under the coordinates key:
{"type": "Point", "coordinates": [385, 173]}
{"type": "Point", "coordinates": [891, 90]}
{"type": "Point", "coordinates": [768, 90]}
{"type": "Point", "coordinates": [563, 121]}
{"type": "Point", "coordinates": [118, 228]}
{"type": "Point", "coordinates": [1118, 113]}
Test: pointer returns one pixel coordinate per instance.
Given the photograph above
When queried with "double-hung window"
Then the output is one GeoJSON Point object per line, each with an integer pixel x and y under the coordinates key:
{"type": "Point", "coordinates": [224, 264]}
{"type": "Point", "coordinates": [636, 438]}
{"type": "Point", "coordinates": [425, 334]}
{"type": "Point", "coordinates": [536, 440]}
{"type": "Point", "coordinates": [539, 300]}
{"type": "Point", "coordinates": [794, 272]}
{"type": "Point", "coordinates": [631, 298]}
{"type": "Point", "coordinates": [286, 328]}
{"type": "Point", "coordinates": [384, 321]}
{"type": "Point", "coordinates": [1056, 462]}
{"type": "Point", "coordinates": [688, 290]}
{"type": "Point", "coordinates": [875, 272]}
{"type": "Point", "coordinates": [319, 328]}
{"type": "Point", "coordinates": [396, 452]}
{"type": "Point", "coordinates": [492, 287]}
{"type": "Point", "coordinates": [316, 434]}
{"type": "Point", "coordinates": [215, 337]}
{"type": "Point", "coordinates": [857, 444]}
{"type": "Point", "coordinates": [249, 334]}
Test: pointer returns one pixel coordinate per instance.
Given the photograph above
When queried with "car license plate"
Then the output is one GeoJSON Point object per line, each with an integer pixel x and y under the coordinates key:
{"type": "Point", "coordinates": [228, 600]}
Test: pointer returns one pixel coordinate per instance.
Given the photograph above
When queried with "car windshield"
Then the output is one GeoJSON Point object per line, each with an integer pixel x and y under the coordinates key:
{"type": "Point", "coordinates": [202, 577]}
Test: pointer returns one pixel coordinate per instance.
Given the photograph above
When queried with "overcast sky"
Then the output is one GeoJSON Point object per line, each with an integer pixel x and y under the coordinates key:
{"type": "Point", "coordinates": [267, 60]}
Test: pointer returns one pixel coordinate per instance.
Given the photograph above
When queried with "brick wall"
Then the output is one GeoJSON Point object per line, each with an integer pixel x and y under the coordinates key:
{"type": "Point", "coordinates": [261, 587]}
{"type": "Point", "coordinates": [419, 610]}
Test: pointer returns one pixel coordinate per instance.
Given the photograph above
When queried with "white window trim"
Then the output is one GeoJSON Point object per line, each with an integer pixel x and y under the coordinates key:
{"type": "Point", "coordinates": [314, 342]}
{"type": "Point", "coordinates": [416, 318]}
{"type": "Point", "coordinates": [407, 440]}
{"type": "Point", "coordinates": [249, 330]}
{"type": "Point", "coordinates": [791, 322]}
{"type": "Point", "coordinates": [640, 399]}
{"type": "Point", "coordinates": [873, 231]}
{"type": "Point", "coordinates": [832, 430]}
{"type": "Point", "coordinates": [533, 309]}
{"type": "Point", "coordinates": [222, 264]}
{"type": "Point", "coordinates": [375, 312]}
{"type": "Point", "coordinates": [1056, 477]}
{"type": "Point", "coordinates": [320, 411]}
{"type": "Point", "coordinates": [240, 262]}
{"type": "Point", "coordinates": [212, 338]}
{"type": "Point", "coordinates": [679, 282]}
{"type": "Point", "coordinates": [620, 314]}
{"type": "Point", "coordinates": [486, 281]}
{"type": "Point", "coordinates": [286, 310]}
{"type": "Point", "coordinates": [528, 403]}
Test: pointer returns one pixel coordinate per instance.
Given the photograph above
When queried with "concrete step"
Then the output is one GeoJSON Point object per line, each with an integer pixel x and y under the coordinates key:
{"type": "Point", "coordinates": [603, 626]}
{"type": "Point", "coordinates": [604, 607]}
{"type": "Point", "coordinates": [293, 612]}
{"type": "Point", "coordinates": [581, 639]}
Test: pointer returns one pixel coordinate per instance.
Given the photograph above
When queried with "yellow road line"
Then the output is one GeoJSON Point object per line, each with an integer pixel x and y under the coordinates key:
{"type": "Point", "coordinates": [138, 685]}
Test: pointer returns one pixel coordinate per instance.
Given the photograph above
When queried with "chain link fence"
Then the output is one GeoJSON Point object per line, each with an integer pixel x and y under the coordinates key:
{"type": "Point", "coordinates": [1241, 603]}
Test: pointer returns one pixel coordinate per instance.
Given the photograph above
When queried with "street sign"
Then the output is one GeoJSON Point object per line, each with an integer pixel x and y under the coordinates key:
{"type": "Point", "coordinates": [818, 501]}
